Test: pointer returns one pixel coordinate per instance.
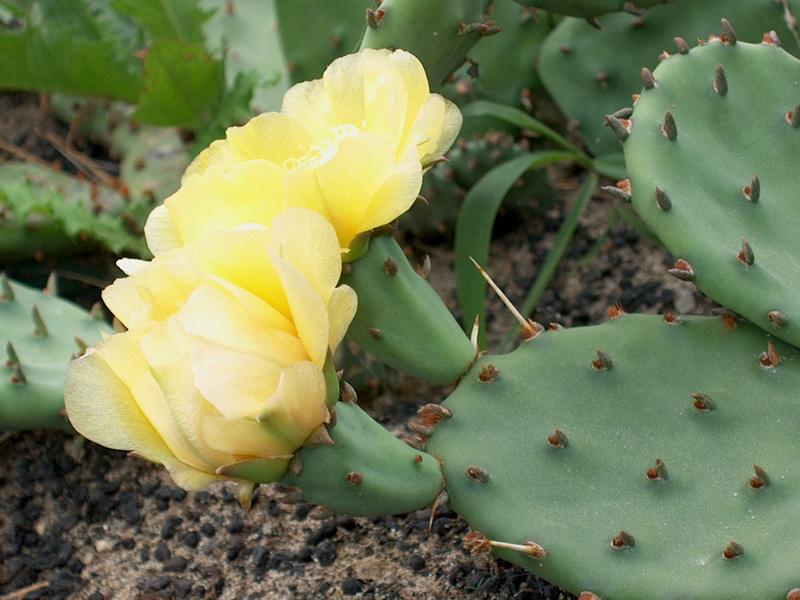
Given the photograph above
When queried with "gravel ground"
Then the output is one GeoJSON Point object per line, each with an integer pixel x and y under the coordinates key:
{"type": "Point", "coordinates": [80, 521]}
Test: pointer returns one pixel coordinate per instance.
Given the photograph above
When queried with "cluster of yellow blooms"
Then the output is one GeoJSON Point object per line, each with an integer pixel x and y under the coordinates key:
{"type": "Point", "coordinates": [231, 327]}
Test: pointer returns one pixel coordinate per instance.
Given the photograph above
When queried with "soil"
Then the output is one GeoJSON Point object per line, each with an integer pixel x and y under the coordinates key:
{"type": "Point", "coordinates": [81, 521]}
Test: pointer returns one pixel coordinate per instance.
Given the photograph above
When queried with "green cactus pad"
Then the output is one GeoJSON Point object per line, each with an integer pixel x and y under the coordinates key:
{"type": "Point", "coordinates": [621, 394]}
{"type": "Point", "coordinates": [367, 471]}
{"type": "Point", "coordinates": [590, 8]}
{"type": "Point", "coordinates": [400, 319]}
{"type": "Point", "coordinates": [591, 73]}
{"type": "Point", "coordinates": [37, 351]}
{"type": "Point", "coordinates": [439, 33]}
{"type": "Point", "coordinates": [721, 143]}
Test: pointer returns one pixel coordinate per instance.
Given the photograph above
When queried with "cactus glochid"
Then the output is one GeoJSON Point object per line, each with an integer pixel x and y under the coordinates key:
{"type": "Point", "coordinates": [723, 198]}
{"type": "Point", "coordinates": [40, 335]}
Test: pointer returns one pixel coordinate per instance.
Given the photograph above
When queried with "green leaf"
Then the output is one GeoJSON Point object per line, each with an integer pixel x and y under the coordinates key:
{"type": "Point", "coordinates": [556, 253]}
{"type": "Point", "coordinates": [474, 228]}
{"type": "Point", "coordinates": [182, 85]}
{"type": "Point", "coordinates": [73, 46]}
{"type": "Point", "coordinates": [177, 20]}
{"type": "Point", "coordinates": [231, 108]}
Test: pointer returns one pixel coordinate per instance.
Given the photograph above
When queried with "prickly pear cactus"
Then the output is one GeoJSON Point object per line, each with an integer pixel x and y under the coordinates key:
{"type": "Point", "coordinates": [592, 72]}
{"type": "Point", "coordinates": [40, 335]}
{"type": "Point", "coordinates": [619, 459]}
{"type": "Point", "coordinates": [307, 56]}
{"type": "Point", "coordinates": [400, 319]}
{"type": "Point", "coordinates": [45, 212]}
{"type": "Point", "coordinates": [439, 34]}
{"type": "Point", "coordinates": [591, 8]}
{"type": "Point", "coordinates": [446, 185]}
{"type": "Point", "coordinates": [723, 198]}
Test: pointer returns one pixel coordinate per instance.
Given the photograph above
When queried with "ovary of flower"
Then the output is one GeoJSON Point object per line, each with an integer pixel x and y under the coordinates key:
{"type": "Point", "coordinates": [220, 374]}
{"type": "Point", "coordinates": [351, 146]}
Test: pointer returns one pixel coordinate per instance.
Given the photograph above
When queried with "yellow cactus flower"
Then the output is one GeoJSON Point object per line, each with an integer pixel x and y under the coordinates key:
{"type": "Point", "coordinates": [220, 374]}
{"type": "Point", "coordinates": [351, 146]}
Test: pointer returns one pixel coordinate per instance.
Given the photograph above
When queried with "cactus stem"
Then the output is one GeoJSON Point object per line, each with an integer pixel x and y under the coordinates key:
{"type": "Point", "coordinates": [51, 287]}
{"type": "Point", "coordinates": [793, 117]}
{"type": "Point", "coordinates": [670, 318]}
{"type": "Point", "coordinates": [702, 403]}
{"type": "Point", "coordinates": [39, 327]}
{"type": "Point", "coordinates": [770, 359]}
{"type": "Point", "coordinates": [720, 83]}
{"type": "Point", "coordinates": [603, 362]}
{"type": "Point", "coordinates": [752, 192]}
{"type": "Point", "coordinates": [477, 474]}
{"type": "Point", "coordinates": [623, 541]}
{"type": "Point", "coordinates": [728, 35]}
{"type": "Point", "coordinates": [11, 353]}
{"type": "Point", "coordinates": [475, 542]}
{"type": "Point", "coordinates": [669, 128]}
{"type": "Point", "coordinates": [354, 478]}
{"type": "Point", "coordinates": [777, 318]}
{"type": "Point", "coordinates": [648, 81]}
{"type": "Point", "coordinates": [375, 17]}
{"type": "Point", "coordinates": [682, 270]}
{"type": "Point", "coordinates": [732, 551]}
{"type": "Point", "coordinates": [489, 374]}
{"type": "Point", "coordinates": [681, 45]}
{"type": "Point", "coordinates": [616, 193]}
{"type": "Point", "coordinates": [558, 439]}
{"type": "Point", "coordinates": [760, 479]}
{"type": "Point", "coordinates": [746, 256]}
{"type": "Point", "coordinates": [6, 293]}
{"type": "Point", "coordinates": [657, 473]}
{"type": "Point", "coordinates": [375, 332]}
{"type": "Point", "coordinates": [620, 127]}
{"type": "Point", "coordinates": [18, 376]}
{"type": "Point", "coordinates": [390, 267]}
{"type": "Point", "coordinates": [663, 200]}
{"type": "Point", "coordinates": [529, 328]}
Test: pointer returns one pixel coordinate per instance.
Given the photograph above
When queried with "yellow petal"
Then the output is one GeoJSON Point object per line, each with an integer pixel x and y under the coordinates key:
{"type": "Point", "coordinates": [215, 316]}
{"type": "Point", "coordinates": [309, 311]}
{"type": "Point", "coordinates": [237, 383]}
{"type": "Point", "coordinates": [341, 310]}
{"type": "Point", "coordinates": [160, 232]}
{"type": "Point", "coordinates": [344, 87]}
{"type": "Point", "coordinates": [436, 128]}
{"type": "Point", "coordinates": [308, 103]}
{"type": "Point", "coordinates": [270, 136]}
{"type": "Point", "coordinates": [298, 406]}
{"type": "Point", "coordinates": [395, 196]}
{"type": "Point", "coordinates": [307, 241]}
{"type": "Point", "coordinates": [217, 155]}
{"type": "Point", "coordinates": [243, 437]}
{"type": "Point", "coordinates": [341, 184]}
{"type": "Point", "coordinates": [250, 192]}
{"type": "Point", "coordinates": [101, 407]}
{"type": "Point", "coordinates": [241, 258]}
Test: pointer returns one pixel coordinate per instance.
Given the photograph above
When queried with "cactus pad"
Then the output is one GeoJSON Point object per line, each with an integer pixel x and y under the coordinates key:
{"type": "Point", "coordinates": [626, 451]}
{"type": "Point", "coordinates": [723, 198]}
{"type": "Point", "coordinates": [592, 72]}
{"type": "Point", "coordinates": [590, 8]}
{"type": "Point", "coordinates": [40, 335]}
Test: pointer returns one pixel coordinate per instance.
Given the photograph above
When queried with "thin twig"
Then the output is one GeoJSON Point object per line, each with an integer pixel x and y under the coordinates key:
{"type": "Point", "coordinates": [22, 592]}
{"type": "Point", "coordinates": [23, 154]}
